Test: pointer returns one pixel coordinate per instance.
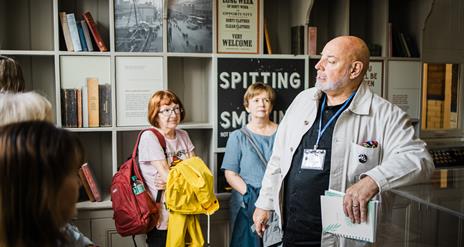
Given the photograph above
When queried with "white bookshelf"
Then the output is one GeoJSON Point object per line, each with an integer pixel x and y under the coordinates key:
{"type": "Point", "coordinates": [30, 31]}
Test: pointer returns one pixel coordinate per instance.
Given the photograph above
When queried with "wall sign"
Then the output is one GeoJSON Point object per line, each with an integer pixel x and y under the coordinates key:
{"type": "Point", "coordinates": [374, 76]}
{"type": "Point", "coordinates": [286, 76]}
{"type": "Point", "coordinates": [238, 26]}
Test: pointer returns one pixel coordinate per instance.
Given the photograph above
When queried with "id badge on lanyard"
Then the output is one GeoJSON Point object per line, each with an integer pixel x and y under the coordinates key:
{"type": "Point", "coordinates": [313, 159]}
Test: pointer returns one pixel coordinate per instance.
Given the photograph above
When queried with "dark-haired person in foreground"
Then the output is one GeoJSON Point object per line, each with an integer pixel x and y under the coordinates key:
{"type": "Point", "coordinates": [39, 185]}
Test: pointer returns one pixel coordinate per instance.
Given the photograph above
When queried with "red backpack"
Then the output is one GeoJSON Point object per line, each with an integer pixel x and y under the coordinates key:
{"type": "Point", "coordinates": [134, 214]}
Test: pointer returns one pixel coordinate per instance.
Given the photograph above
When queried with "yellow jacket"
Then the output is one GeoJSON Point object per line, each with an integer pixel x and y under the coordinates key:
{"type": "Point", "coordinates": [189, 192]}
{"type": "Point", "coordinates": [189, 188]}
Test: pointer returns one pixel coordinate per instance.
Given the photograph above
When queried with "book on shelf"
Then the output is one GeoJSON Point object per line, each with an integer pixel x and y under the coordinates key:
{"type": "Point", "coordinates": [297, 40]}
{"type": "Point", "coordinates": [312, 40]}
{"type": "Point", "coordinates": [69, 108]}
{"type": "Point", "coordinates": [104, 95]}
{"type": "Point", "coordinates": [88, 39]}
{"type": "Point", "coordinates": [79, 107]}
{"type": "Point", "coordinates": [66, 33]}
{"type": "Point", "coordinates": [334, 220]}
{"type": "Point", "coordinates": [93, 102]}
{"type": "Point", "coordinates": [412, 45]}
{"type": "Point", "coordinates": [95, 33]}
{"type": "Point", "coordinates": [90, 179]}
{"type": "Point", "coordinates": [81, 36]}
{"type": "Point", "coordinates": [398, 49]}
{"type": "Point", "coordinates": [404, 45]}
{"type": "Point", "coordinates": [85, 107]}
{"type": "Point", "coordinates": [86, 185]}
{"type": "Point", "coordinates": [73, 31]}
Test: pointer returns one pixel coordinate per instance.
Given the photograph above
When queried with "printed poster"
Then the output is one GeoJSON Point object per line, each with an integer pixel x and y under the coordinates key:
{"type": "Point", "coordinates": [374, 76]}
{"type": "Point", "coordinates": [234, 75]}
{"type": "Point", "coordinates": [137, 78]}
{"type": "Point", "coordinates": [237, 26]}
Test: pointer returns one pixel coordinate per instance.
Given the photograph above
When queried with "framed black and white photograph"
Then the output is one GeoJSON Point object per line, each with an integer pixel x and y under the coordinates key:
{"type": "Point", "coordinates": [238, 26]}
{"type": "Point", "coordinates": [138, 25]}
{"type": "Point", "coordinates": [190, 26]}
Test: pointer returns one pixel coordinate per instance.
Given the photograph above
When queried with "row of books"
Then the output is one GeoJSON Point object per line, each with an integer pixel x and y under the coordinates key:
{"type": "Point", "coordinates": [89, 106]}
{"type": "Point", "coordinates": [89, 184]}
{"type": "Point", "coordinates": [404, 45]}
{"type": "Point", "coordinates": [401, 44]}
{"type": "Point", "coordinates": [77, 33]}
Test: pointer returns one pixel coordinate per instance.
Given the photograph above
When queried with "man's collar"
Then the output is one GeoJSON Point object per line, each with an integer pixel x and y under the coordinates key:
{"type": "Point", "coordinates": [361, 102]}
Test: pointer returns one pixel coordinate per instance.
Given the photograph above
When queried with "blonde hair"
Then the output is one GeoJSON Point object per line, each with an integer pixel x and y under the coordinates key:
{"type": "Point", "coordinates": [257, 88]}
{"type": "Point", "coordinates": [19, 107]}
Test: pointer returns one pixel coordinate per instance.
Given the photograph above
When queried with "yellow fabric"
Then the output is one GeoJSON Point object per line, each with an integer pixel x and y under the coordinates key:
{"type": "Point", "coordinates": [179, 225]}
{"type": "Point", "coordinates": [189, 188]}
{"type": "Point", "coordinates": [189, 192]}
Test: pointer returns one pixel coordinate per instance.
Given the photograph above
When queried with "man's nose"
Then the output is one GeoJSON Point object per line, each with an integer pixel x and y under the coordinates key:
{"type": "Point", "coordinates": [318, 65]}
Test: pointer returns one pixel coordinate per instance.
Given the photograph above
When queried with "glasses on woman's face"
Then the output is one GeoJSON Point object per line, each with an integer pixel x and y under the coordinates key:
{"type": "Point", "coordinates": [168, 111]}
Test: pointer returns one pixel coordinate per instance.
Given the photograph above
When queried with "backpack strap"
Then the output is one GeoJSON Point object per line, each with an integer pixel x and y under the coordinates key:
{"type": "Point", "coordinates": [245, 131]}
{"type": "Point", "coordinates": [160, 137]}
{"type": "Point", "coordinates": [162, 142]}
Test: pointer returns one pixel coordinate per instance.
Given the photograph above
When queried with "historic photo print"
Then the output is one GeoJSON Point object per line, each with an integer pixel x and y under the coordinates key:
{"type": "Point", "coordinates": [139, 25]}
{"type": "Point", "coordinates": [190, 26]}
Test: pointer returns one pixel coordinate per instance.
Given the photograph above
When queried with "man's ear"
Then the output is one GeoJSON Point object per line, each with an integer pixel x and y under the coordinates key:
{"type": "Point", "coordinates": [356, 69]}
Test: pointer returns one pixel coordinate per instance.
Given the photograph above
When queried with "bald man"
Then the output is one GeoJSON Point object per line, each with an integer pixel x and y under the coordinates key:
{"type": "Point", "coordinates": [337, 135]}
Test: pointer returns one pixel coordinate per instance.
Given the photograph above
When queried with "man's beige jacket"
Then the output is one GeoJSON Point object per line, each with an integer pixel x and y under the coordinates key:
{"type": "Point", "coordinates": [399, 159]}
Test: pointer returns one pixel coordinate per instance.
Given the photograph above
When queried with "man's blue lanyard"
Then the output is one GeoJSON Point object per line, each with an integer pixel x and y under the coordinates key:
{"type": "Point", "coordinates": [319, 134]}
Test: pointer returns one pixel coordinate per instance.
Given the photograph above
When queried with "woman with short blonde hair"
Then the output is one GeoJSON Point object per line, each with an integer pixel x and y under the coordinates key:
{"type": "Point", "coordinates": [17, 107]}
{"type": "Point", "coordinates": [246, 152]}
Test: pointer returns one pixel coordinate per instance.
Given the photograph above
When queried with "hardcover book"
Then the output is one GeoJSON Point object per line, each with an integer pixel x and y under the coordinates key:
{"type": "Point", "coordinates": [79, 107]}
{"type": "Point", "coordinates": [93, 29]}
{"type": "Point", "coordinates": [312, 41]}
{"type": "Point", "coordinates": [74, 32]}
{"type": "Point", "coordinates": [335, 221]}
{"type": "Point", "coordinates": [88, 40]}
{"type": "Point", "coordinates": [85, 107]}
{"type": "Point", "coordinates": [90, 178]}
{"type": "Point", "coordinates": [86, 185]}
{"type": "Point", "coordinates": [69, 108]}
{"type": "Point", "coordinates": [93, 102]}
{"type": "Point", "coordinates": [66, 33]}
{"type": "Point", "coordinates": [81, 36]}
{"type": "Point", "coordinates": [297, 40]}
{"type": "Point", "coordinates": [104, 92]}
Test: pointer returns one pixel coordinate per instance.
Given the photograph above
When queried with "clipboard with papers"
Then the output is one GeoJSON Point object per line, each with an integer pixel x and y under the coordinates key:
{"type": "Point", "coordinates": [334, 220]}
